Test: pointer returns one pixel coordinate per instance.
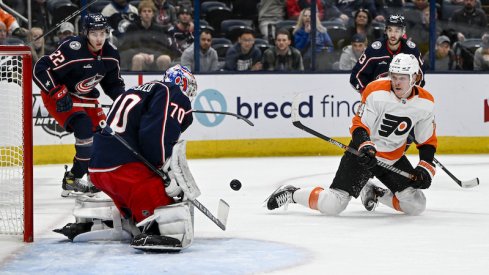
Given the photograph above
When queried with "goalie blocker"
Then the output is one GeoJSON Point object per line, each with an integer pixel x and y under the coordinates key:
{"type": "Point", "coordinates": [169, 228]}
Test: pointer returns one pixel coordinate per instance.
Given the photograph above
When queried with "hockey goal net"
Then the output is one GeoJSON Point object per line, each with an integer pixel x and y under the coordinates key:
{"type": "Point", "coordinates": [16, 166]}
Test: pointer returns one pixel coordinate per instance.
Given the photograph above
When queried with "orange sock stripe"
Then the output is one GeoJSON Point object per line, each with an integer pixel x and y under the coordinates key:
{"type": "Point", "coordinates": [395, 203]}
{"type": "Point", "coordinates": [314, 196]}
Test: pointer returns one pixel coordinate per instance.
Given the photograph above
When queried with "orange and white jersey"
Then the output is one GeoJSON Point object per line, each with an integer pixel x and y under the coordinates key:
{"type": "Point", "coordinates": [9, 21]}
{"type": "Point", "coordinates": [389, 120]}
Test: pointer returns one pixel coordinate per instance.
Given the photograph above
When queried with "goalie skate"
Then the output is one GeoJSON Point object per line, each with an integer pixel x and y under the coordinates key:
{"type": "Point", "coordinates": [73, 187]}
{"type": "Point", "coordinates": [156, 243]}
{"type": "Point", "coordinates": [370, 195]}
{"type": "Point", "coordinates": [281, 197]}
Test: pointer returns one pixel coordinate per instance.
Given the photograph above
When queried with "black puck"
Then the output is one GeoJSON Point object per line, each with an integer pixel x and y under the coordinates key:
{"type": "Point", "coordinates": [235, 184]}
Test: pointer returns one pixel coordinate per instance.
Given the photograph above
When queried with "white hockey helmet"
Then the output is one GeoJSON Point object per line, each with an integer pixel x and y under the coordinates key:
{"type": "Point", "coordinates": [183, 77]}
{"type": "Point", "coordinates": [405, 64]}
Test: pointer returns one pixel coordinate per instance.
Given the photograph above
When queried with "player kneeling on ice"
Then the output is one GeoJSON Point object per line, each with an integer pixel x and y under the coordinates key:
{"type": "Point", "coordinates": [150, 119]}
{"type": "Point", "coordinates": [389, 109]}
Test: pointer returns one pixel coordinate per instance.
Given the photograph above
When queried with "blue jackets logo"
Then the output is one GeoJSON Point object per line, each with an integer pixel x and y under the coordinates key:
{"type": "Point", "coordinates": [210, 100]}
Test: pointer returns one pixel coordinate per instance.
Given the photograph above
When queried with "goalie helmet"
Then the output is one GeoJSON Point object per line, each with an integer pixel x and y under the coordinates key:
{"type": "Point", "coordinates": [183, 77]}
{"type": "Point", "coordinates": [94, 21]}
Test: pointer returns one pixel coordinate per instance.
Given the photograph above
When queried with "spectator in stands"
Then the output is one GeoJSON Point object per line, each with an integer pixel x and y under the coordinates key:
{"type": "Point", "coordinates": [244, 55]}
{"type": "Point", "coordinates": [38, 45]}
{"type": "Point", "coordinates": [352, 53]}
{"type": "Point", "coordinates": [9, 21]}
{"type": "Point", "coordinates": [419, 30]}
{"type": "Point", "coordinates": [39, 13]}
{"type": "Point", "coordinates": [208, 56]}
{"type": "Point", "coordinates": [184, 29]}
{"type": "Point", "coordinates": [3, 33]}
{"type": "Point", "coordinates": [270, 12]}
{"type": "Point", "coordinates": [282, 57]}
{"type": "Point", "coordinates": [147, 46]}
{"type": "Point", "coordinates": [118, 6]}
{"type": "Point", "coordinates": [481, 55]}
{"type": "Point", "coordinates": [66, 30]}
{"type": "Point", "coordinates": [444, 56]}
{"type": "Point", "coordinates": [362, 25]}
{"type": "Point", "coordinates": [302, 41]}
{"type": "Point", "coordinates": [348, 8]}
{"type": "Point", "coordinates": [166, 14]}
{"type": "Point", "coordinates": [183, 3]}
{"type": "Point", "coordinates": [294, 8]}
{"type": "Point", "coordinates": [470, 21]}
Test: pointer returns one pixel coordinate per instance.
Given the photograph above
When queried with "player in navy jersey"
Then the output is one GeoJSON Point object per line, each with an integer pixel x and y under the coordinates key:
{"type": "Point", "coordinates": [150, 118]}
{"type": "Point", "coordinates": [374, 62]}
{"type": "Point", "coordinates": [69, 75]}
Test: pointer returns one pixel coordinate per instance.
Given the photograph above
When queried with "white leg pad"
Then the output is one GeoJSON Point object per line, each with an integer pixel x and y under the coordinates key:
{"type": "Point", "coordinates": [97, 210]}
{"type": "Point", "coordinates": [175, 220]}
{"type": "Point", "coordinates": [332, 202]}
{"type": "Point", "coordinates": [412, 201]}
{"type": "Point", "coordinates": [181, 171]}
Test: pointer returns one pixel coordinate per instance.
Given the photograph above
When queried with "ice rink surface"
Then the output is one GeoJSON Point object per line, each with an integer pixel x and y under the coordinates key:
{"type": "Point", "coordinates": [450, 237]}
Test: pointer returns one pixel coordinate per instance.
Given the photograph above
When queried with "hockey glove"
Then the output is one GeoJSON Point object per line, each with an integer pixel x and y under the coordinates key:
{"type": "Point", "coordinates": [367, 154]}
{"type": "Point", "coordinates": [424, 172]}
{"type": "Point", "coordinates": [62, 97]}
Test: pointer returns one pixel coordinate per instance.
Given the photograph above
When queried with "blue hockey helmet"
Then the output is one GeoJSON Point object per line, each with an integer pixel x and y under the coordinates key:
{"type": "Point", "coordinates": [94, 21]}
{"type": "Point", "coordinates": [396, 20]}
{"type": "Point", "coordinates": [183, 77]}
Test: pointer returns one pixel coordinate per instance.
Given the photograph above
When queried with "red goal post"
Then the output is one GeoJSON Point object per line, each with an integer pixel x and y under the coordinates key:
{"type": "Point", "coordinates": [16, 164]}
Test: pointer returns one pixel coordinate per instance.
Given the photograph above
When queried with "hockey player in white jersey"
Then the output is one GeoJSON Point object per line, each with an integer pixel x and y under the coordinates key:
{"type": "Point", "coordinates": [389, 109]}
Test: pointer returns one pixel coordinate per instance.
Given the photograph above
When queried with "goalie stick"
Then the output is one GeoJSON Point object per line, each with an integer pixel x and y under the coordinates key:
{"type": "Point", "coordinates": [464, 184]}
{"type": "Point", "coordinates": [93, 105]}
{"type": "Point", "coordinates": [223, 208]}
{"type": "Point", "coordinates": [298, 124]}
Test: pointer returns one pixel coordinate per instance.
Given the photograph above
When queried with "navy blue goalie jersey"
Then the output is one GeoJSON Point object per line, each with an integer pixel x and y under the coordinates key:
{"type": "Point", "coordinates": [150, 117]}
{"type": "Point", "coordinates": [72, 64]}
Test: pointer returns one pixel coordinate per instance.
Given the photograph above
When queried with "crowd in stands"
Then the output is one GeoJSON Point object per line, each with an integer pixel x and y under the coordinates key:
{"type": "Point", "coordinates": [259, 35]}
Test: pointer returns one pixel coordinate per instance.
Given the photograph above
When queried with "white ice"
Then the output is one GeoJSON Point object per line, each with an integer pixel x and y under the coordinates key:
{"type": "Point", "coordinates": [450, 237]}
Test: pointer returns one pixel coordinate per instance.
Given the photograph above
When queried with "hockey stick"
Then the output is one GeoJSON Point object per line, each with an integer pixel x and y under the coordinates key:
{"type": "Point", "coordinates": [94, 105]}
{"type": "Point", "coordinates": [298, 124]}
{"type": "Point", "coordinates": [66, 19]}
{"type": "Point", "coordinates": [464, 184]}
{"type": "Point", "coordinates": [223, 208]}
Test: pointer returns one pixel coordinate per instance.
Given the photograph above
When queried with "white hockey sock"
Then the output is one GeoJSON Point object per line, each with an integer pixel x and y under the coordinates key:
{"type": "Point", "coordinates": [301, 196]}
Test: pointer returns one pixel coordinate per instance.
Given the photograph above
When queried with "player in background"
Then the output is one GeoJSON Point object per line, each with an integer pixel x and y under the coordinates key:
{"type": "Point", "coordinates": [69, 75]}
{"type": "Point", "coordinates": [374, 63]}
{"type": "Point", "coordinates": [389, 109]}
{"type": "Point", "coordinates": [150, 118]}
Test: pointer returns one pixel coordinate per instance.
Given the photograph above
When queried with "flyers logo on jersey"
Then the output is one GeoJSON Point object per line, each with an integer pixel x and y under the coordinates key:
{"type": "Point", "coordinates": [395, 124]}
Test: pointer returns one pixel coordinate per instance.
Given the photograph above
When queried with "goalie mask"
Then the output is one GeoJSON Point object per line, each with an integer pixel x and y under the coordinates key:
{"type": "Point", "coordinates": [183, 77]}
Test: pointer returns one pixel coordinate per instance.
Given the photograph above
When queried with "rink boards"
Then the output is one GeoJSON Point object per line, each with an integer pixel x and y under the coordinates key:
{"type": "Point", "coordinates": [327, 104]}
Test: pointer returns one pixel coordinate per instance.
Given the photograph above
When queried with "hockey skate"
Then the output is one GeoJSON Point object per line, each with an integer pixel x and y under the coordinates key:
{"type": "Point", "coordinates": [370, 195]}
{"type": "Point", "coordinates": [281, 197]}
{"type": "Point", "coordinates": [71, 230]}
{"type": "Point", "coordinates": [76, 186]}
{"type": "Point", "coordinates": [156, 243]}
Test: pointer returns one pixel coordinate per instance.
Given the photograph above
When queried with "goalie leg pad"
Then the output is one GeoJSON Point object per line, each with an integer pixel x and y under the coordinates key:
{"type": "Point", "coordinates": [100, 212]}
{"type": "Point", "coordinates": [181, 171]}
{"type": "Point", "coordinates": [174, 221]}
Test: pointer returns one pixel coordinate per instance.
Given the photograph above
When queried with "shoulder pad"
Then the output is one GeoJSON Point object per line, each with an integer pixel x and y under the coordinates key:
{"type": "Point", "coordinates": [411, 44]}
{"type": "Point", "coordinates": [376, 45]}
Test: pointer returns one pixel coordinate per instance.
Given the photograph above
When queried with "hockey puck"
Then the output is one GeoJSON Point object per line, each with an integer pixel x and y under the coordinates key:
{"type": "Point", "coordinates": [235, 184]}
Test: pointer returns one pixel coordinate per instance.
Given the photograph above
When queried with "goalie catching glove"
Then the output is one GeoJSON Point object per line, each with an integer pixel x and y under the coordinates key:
{"type": "Point", "coordinates": [178, 178]}
{"type": "Point", "coordinates": [63, 100]}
